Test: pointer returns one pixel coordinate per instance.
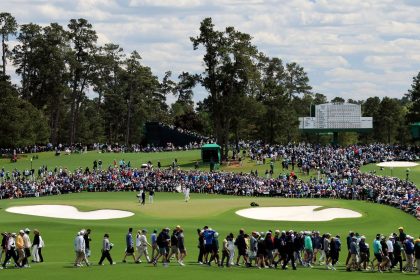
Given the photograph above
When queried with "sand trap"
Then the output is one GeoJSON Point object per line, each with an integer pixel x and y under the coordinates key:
{"type": "Point", "coordinates": [68, 212]}
{"type": "Point", "coordinates": [397, 164]}
{"type": "Point", "coordinates": [297, 213]}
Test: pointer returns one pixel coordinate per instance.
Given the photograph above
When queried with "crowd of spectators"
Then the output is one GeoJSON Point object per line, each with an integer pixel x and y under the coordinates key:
{"type": "Point", "coordinates": [341, 177]}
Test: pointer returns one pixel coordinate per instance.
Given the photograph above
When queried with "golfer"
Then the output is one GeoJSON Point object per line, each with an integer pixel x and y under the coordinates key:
{"type": "Point", "coordinates": [129, 251]}
{"type": "Point", "coordinates": [106, 248]}
{"type": "Point", "coordinates": [187, 194]}
{"type": "Point", "coordinates": [141, 243]}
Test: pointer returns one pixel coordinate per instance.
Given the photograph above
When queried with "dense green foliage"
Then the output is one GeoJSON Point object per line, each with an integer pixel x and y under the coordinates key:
{"type": "Point", "coordinates": [78, 91]}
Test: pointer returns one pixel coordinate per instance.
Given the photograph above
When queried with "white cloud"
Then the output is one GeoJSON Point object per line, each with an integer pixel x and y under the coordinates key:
{"type": "Point", "coordinates": [348, 47]}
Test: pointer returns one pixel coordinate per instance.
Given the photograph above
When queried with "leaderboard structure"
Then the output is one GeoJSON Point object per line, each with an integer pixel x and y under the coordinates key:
{"type": "Point", "coordinates": [334, 118]}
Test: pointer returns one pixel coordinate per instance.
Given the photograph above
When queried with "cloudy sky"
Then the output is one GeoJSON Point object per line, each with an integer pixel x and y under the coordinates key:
{"type": "Point", "coordinates": [349, 48]}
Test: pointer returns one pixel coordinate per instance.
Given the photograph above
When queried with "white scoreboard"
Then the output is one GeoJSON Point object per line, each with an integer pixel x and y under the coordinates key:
{"type": "Point", "coordinates": [336, 116]}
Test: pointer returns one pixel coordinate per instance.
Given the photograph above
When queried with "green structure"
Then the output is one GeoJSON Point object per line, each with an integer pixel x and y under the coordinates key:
{"type": "Point", "coordinates": [415, 130]}
{"type": "Point", "coordinates": [211, 153]}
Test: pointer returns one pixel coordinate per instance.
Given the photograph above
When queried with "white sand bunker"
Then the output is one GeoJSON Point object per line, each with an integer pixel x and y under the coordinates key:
{"type": "Point", "coordinates": [297, 213]}
{"type": "Point", "coordinates": [68, 212]}
{"type": "Point", "coordinates": [397, 164]}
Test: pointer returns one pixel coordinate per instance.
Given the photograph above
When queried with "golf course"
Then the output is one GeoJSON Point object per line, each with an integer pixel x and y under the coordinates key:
{"type": "Point", "coordinates": [170, 210]}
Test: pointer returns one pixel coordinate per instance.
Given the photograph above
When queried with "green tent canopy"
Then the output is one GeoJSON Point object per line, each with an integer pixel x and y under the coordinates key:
{"type": "Point", "coordinates": [211, 152]}
{"type": "Point", "coordinates": [415, 130]}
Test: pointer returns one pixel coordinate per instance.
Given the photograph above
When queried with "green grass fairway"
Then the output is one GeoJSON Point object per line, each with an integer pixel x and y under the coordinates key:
{"type": "Point", "coordinates": [186, 160]}
{"type": "Point", "coordinates": [170, 210]}
{"type": "Point", "coordinates": [399, 172]}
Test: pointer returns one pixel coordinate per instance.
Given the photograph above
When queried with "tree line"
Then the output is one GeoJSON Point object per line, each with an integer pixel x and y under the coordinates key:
{"type": "Point", "coordinates": [73, 90]}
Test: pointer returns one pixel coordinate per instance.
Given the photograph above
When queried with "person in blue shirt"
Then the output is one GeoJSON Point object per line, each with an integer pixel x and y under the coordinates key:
{"type": "Point", "coordinates": [409, 251]}
{"type": "Point", "coordinates": [208, 235]}
{"type": "Point", "coordinates": [377, 251]}
{"type": "Point", "coordinates": [153, 240]}
{"type": "Point", "coordinates": [129, 251]}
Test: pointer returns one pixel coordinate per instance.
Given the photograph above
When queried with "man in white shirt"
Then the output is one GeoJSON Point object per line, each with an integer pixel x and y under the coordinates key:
{"type": "Point", "coordinates": [27, 247]}
{"type": "Point", "coordinates": [390, 245]}
{"type": "Point", "coordinates": [187, 194]}
{"type": "Point", "coordinates": [141, 243]}
{"type": "Point", "coordinates": [80, 247]}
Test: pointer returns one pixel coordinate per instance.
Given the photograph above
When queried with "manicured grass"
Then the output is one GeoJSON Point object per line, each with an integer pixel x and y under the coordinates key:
{"type": "Point", "coordinates": [399, 172]}
{"type": "Point", "coordinates": [186, 160]}
{"type": "Point", "coordinates": [170, 210]}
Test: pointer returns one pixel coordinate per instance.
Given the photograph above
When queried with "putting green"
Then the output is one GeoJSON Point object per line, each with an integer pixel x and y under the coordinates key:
{"type": "Point", "coordinates": [170, 210]}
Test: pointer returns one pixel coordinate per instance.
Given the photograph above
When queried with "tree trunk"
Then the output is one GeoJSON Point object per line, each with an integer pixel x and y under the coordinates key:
{"type": "Point", "coordinates": [3, 57]}
{"type": "Point", "coordinates": [130, 97]}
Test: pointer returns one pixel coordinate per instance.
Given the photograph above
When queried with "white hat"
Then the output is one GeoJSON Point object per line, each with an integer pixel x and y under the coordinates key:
{"type": "Point", "coordinates": [216, 234]}
{"type": "Point", "coordinates": [21, 231]}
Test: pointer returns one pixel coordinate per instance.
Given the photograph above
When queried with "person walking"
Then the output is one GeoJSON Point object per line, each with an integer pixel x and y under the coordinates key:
{"type": "Point", "coordinates": [80, 248]}
{"type": "Point", "coordinates": [334, 251]}
{"type": "Point", "coordinates": [153, 239]}
{"type": "Point", "coordinates": [35, 247]}
{"type": "Point", "coordinates": [353, 258]}
{"type": "Point", "coordinates": [174, 252]}
{"type": "Point", "coordinates": [231, 248]}
{"type": "Point", "coordinates": [10, 250]}
{"type": "Point", "coordinates": [397, 255]}
{"type": "Point", "coordinates": [106, 249]}
{"type": "Point", "coordinates": [20, 248]}
{"type": "Point", "coordinates": [142, 244]}
{"type": "Point", "coordinates": [409, 251]}
{"type": "Point", "coordinates": [377, 252]}
{"type": "Point", "coordinates": [151, 196]}
{"type": "Point", "coordinates": [309, 251]}
{"type": "Point", "coordinates": [327, 251]}
{"type": "Point", "coordinates": [129, 251]}
{"type": "Point", "coordinates": [349, 240]}
{"type": "Point", "coordinates": [87, 239]}
{"type": "Point", "coordinates": [241, 245]}
{"type": "Point", "coordinates": [162, 241]}
{"type": "Point", "coordinates": [364, 252]}
{"type": "Point", "coordinates": [27, 247]}
{"type": "Point", "coordinates": [290, 250]}
{"type": "Point", "coordinates": [390, 249]}
{"type": "Point", "coordinates": [143, 197]}
{"type": "Point", "coordinates": [200, 246]}
{"type": "Point", "coordinates": [181, 247]}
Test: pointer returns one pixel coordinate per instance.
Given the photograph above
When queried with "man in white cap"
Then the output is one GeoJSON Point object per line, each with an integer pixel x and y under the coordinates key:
{"type": "Point", "coordinates": [390, 245]}
{"type": "Point", "coordinates": [80, 248]}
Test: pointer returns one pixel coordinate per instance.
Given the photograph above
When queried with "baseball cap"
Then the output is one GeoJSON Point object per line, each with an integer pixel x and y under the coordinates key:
{"type": "Point", "coordinates": [21, 231]}
{"type": "Point", "coordinates": [401, 228]}
{"type": "Point", "coordinates": [27, 230]}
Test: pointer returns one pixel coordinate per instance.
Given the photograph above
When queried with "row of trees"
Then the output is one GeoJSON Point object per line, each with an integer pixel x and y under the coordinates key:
{"type": "Point", "coordinates": [73, 90]}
